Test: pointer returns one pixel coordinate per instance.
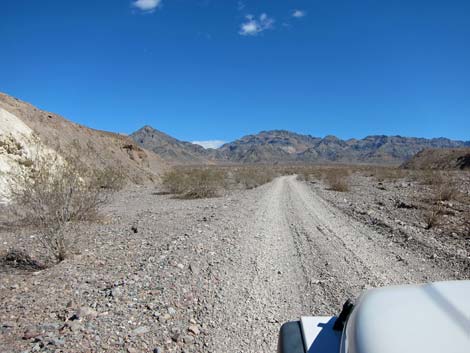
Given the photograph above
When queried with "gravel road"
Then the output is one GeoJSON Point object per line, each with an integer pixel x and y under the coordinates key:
{"type": "Point", "coordinates": [160, 274]}
{"type": "Point", "coordinates": [298, 255]}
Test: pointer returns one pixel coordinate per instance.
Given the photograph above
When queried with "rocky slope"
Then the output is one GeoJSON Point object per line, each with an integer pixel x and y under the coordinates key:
{"type": "Point", "coordinates": [96, 148]}
{"type": "Point", "coordinates": [281, 146]}
{"type": "Point", "coordinates": [171, 149]}
{"type": "Point", "coordinates": [447, 158]}
{"type": "Point", "coordinates": [285, 146]}
{"type": "Point", "coordinates": [18, 146]}
{"type": "Point", "coordinates": [268, 146]}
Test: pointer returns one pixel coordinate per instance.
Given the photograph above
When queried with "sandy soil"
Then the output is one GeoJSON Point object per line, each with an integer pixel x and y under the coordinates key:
{"type": "Point", "coordinates": [216, 275]}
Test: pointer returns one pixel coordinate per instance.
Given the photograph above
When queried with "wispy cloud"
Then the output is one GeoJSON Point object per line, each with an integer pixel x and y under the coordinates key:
{"type": "Point", "coordinates": [299, 13]}
{"type": "Point", "coordinates": [240, 5]}
{"type": "Point", "coordinates": [209, 143]}
{"type": "Point", "coordinates": [146, 5]}
{"type": "Point", "coordinates": [253, 26]}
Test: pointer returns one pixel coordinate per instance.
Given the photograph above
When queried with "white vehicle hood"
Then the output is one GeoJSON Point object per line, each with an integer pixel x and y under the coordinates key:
{"type": "Point", "coordinates": [430, 318]}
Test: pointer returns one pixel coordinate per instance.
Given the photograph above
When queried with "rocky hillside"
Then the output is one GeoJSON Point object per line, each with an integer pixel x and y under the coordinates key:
{"type": "Point", "coordinates": [285, 146]}
{"type": "Point", "coordinates": [18, 146]}
{"type": "Point", "coordinates": [447, 158]}
{"type": "Point", "coordinates": [267, 146]}
{"type": "Point", "coordinates": [97, 149]}
{"type": "Point", "coordinates": [170, 149]}
{"type": "Point", "coordinates": [281, 146]}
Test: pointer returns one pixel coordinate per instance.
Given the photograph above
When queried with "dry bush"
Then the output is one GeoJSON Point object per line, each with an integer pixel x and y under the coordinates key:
{"type": "Point", "coordinates": [174, 181]}
{"type": "Point", "coordinates": [194, 183]}
{"type": "Point", "coordinates": [442, 185]}
{"type": "Point", "coordinates": [52, 196]}
{"type": "Point", "coordinates": [253, 176]}
{"type": "Point", "coordinates": [111, 178]}
{"type": "Point", "coordinates": [446, 192]}
{"type": "Point", "coordinates": [429, 177]}
{"type": "Point", "coordinates": [337, 179]}
{"type": "Point", "coordinates": [389, 173]}
{"type": "Point", "coordinates": [306, 173]}
{"type": "Point", "coordinates": [432, 217]}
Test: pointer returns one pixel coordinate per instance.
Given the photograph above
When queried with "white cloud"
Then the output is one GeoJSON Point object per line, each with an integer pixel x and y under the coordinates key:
{"type": "Point", "coordinates": [146, 5]}
{"type": "Point", "coordinates": [299, 13]}
{"type": "Point", "coordinates": [253, 26]}
{"type": "Point", "coordinates": [209, 143]}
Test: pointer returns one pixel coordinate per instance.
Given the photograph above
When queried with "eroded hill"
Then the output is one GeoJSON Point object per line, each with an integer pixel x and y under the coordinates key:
{"type": "Point", "coordinates": [97, 149]}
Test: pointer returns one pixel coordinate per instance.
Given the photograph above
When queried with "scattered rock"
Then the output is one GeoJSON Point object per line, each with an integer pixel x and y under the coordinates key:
{"type": "Point", "coordinates": [31, 332]}
{"type": "Point", "coordinates": [116, 292]}
{"type": "Point", "coordinates": [84, 312]}
{"type": "Point", "coordinates": [56, 341]}
{"type": "Point", "coordinates": [175, 334]}
{"type": "Point", "coordinates": [401, 204]}
{"type": "Point", "coordinates": [194, 329]}
{"type": "Point", "coordinates": [194, 269]}
{"type": "Point", "coordinates": [141, 330]}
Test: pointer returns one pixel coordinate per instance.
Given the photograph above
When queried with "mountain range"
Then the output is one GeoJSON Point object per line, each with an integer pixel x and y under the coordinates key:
{"type": "Point", "coordinates": [281, 146]}
{"type": "Point", "coordinates": [147, 152]}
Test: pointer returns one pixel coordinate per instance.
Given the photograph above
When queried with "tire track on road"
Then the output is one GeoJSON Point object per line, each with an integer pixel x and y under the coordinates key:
{"type": "Point", "coordinates": [296, 255]}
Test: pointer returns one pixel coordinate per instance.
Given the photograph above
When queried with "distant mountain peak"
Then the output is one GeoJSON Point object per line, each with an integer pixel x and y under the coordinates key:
{"type": "Point", "coordinates": [279, 146]}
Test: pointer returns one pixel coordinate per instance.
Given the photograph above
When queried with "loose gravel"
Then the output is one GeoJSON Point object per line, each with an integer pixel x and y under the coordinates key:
{"type": "Point", "coordinates": [159, 274]}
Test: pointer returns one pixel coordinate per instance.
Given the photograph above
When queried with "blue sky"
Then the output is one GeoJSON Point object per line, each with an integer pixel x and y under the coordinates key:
{"type": "Point", "coordinates": [217, 70]}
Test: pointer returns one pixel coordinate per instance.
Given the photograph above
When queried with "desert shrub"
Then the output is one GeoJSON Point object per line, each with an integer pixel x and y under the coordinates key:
{"type": "Point", "coordinates": [111, 178]}
{"type": "Point", "coordinates": [388, 173]}
{"type": "Point", "coordinates": [306, 173]}
{"type": "Point", "coordinates": [252, 177]}
{"type": "Point", "coordinates": [337, 179]}
{"type": "Point", "coordinates": [432, 216]}
{"type": "Point", "coordinates": [52, 196]}
{"type": "Point", "coordinates": [429, 177]}
{"type": "Point", "coordinates": [446, 192]}
{"type": "Point", "coordinates": [194, 183]}
{"type": "Point", "coordinates": [174, 181]}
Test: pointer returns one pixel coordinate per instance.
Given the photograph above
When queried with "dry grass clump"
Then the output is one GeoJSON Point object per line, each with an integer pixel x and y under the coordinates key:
{"type": "Point", "coordinates": [194, 183]}
{"type": "Point", "coordinates": [337, 179]}
{"type": "Point", "coordinates": [52, 196]}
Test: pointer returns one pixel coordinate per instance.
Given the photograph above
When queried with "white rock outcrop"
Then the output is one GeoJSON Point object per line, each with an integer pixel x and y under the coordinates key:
{"type": "Point", "coordinates": [19, 146]}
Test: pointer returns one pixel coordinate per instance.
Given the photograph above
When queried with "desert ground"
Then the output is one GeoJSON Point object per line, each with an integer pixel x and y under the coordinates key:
{"type": "Point", "coordinates": [159, 273]}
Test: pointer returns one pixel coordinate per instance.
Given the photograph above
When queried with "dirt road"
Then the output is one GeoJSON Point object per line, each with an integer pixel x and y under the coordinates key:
{"type": "Point", "coordinates": [297, 255]}
{"type": "Point", "coordinates": [160, 274]}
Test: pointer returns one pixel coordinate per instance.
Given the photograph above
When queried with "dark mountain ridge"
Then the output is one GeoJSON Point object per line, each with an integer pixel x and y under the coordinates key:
{"type": "Point", "coordinates": [282, 146]}
{"type": "Point", "coordinates": [171, 149]}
